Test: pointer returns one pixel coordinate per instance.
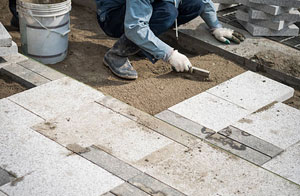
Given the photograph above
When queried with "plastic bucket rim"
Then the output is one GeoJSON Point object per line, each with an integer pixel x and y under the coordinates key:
{"type": "Point", "coordinates": [33, 6]}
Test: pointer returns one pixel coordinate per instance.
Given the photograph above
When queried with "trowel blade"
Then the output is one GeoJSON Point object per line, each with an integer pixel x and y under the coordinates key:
{"type": "Point", "coordinates": [200, 72]}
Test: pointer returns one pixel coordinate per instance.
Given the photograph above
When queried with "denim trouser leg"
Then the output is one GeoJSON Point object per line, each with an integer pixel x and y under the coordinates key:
{"type": "Point", "coordinates": [13, 8]}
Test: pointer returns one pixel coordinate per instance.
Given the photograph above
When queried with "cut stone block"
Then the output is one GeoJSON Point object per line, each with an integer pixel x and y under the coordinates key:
{"type": "Point", "coordinates": [194, 170]}
{"type": "Point", "coordinates": [11, 50]}
{"type": "Point", "coordinates": [252, 91]}
{"type": "Point", "coordinates": [285, 3]}
{"type": "Point", "coordinates": [152, 186]}
{"type": "Point", "coordinates": [210, 111]}
{"type": "Point", "coordinates": [24, 76]}
{"type": "Point", "coordinates": [2, 194]}
{"type": "Point", "coordinates": [41, 69]}
{"type": "Point", "coordinates": [251, 141]}
{"type": "Point", "coordinates": [270, 9]}
{"type": "Point", "coordinates": [287, 164]}
{"type": "Point", "coordinates": [4, 177]}
{"type": "Point", "coordinates": [108, 194]}
{"type": "Point", "coordinates": [226, 1]}
{"type": "Point", "coordinates": [278, 124]}
{"type": "Point", "coordinates": [127, 189]}
{"type": "Point", "coordinates": [5, 38]}
{"type": "Point", "coordinates": [71, 176]}
{"type": "Point", "coordinates": [221, 6]}
{"type": "Point", "coordinates": [56, 97]}
{"type": "Point", "coordinates": [96, 125]}
{"type": "Point", "coordinates": [110, 163]}
{"type": "Point", "coordinates": [255, 30]}
{"type": "Point", "coordinates": [293, 15]}
{"type": "Point", "coordinates": [7, 60]}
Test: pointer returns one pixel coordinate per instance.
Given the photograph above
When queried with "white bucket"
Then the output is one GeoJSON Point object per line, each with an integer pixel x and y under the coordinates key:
{"type": "Point", "coordinates": [44, 27]}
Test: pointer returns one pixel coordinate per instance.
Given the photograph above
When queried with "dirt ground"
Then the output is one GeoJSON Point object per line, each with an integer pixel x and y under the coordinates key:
{"type": "Point", "coordinates": [157, 87]}
{"type": "Point", "coordinates": [9, 87]}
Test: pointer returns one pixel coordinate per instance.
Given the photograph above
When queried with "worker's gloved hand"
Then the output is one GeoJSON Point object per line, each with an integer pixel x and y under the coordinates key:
{"type": "Point", "coordinates": [225, 35]}
{"type": "Point", "coordinates": [179, 62]}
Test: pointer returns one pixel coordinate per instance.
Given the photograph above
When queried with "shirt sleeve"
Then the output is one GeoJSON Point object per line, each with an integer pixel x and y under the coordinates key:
{"type": "Point", "coordinates": [136, 24]}
{"type": "Point", "coordinates": [209, 15]}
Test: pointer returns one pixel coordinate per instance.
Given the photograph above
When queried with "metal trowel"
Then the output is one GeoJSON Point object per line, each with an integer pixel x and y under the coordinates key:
{"type": "Point", "coordinates": [201, 72]}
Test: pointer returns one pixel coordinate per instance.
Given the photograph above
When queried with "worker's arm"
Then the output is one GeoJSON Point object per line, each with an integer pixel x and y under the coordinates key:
{"type": "Point", "coordinates": [209, 15]}
{"type": "Point", "coordinates": [136, 24]}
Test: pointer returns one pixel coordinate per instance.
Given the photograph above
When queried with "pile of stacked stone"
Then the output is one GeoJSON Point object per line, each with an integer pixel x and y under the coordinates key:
{"type": "Point", "coordinates": [7, 46]}
{"type": "Point", "coordinates": [268, 17]}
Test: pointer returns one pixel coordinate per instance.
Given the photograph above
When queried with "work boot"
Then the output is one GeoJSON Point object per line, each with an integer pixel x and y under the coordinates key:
{"type": "Point", "coordinates": [117, 58]}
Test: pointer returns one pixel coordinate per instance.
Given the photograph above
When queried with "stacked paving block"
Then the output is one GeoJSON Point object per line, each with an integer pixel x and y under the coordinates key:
{"type": "Point", "coordinates": [7, 46]}
{"type": "Point", "coordinates": [269, 18]}
{"type": "Point", "coordinates": [223, 4]}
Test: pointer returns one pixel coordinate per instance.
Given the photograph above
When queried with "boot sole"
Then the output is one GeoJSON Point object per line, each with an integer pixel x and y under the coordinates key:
{"type": "Point", "coordinates": [121, 76]}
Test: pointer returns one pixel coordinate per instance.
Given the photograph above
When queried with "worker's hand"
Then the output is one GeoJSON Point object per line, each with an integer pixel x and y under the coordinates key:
{"type": "Point", "coordinates": [179, 62]}
{"type": "Point", "coordinates": [224, 35]}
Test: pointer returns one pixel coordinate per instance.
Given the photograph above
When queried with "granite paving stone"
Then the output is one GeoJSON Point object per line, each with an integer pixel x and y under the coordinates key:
{"type": "Point", "coordinates": [108, 194]}
{"type": "Point", "coordinates": [51, 99]}
{"type": "Point", "coordinates": [11, 50]}
{"type": "Point", "coordinates": [289, 3]}
{"type": "Point", "coordinates": [210, 111]}
{"type": "Point", "coordinates": [94, 124]}
{"type": "Point", "coordinates": [127, 189]}
{"type": "Point", "coordinates": [287, 164]}
{"type": "Point", "coordinates": [10, 59]}
{"type": "Point", "coordinates": [4, 177]}
{"type": "Point", "coordinates": [41, 69]}
{"type": "Point", "coordinates": [70, 176]}
{"type": "Point", "coordinates": [277, 124]}
{"type": "Point", "coordinates": [292, 15]}
{"type": "Point", "coordinates": [252, 91]}
{"type": "Point", "coordinates": [110, 163]}
{"type": "Point", "coordinates": [251, 141]}
{"type": "Point", "coordinates": [25, 76]}
{"type": "Point", "coordinates": [205, 170]}
{"type": "Point", "coordinates": [5, 38]}
{"type": "Point", "coordinates": [270, 9]}
{"type": "Point", "coordinates": [2, 194]}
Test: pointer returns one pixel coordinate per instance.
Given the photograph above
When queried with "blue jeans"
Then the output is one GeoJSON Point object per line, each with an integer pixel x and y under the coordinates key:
{"type": "Point", "coordinates": [13, 8]}
{"type": "Point", "coordinates": [163, 17]}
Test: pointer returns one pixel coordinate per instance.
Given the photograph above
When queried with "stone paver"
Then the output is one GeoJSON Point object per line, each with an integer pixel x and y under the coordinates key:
{"type": "Point", "coordinates": [110, 163]}
{"type": "Point", "coordinates": [204, 170]}
{"type": "Point", "coordinates": [289, 3]}
{"type": "Point", "coordinates": [278, 125]}
{"type": "Point", "coordinates": [292, 15]}
{"type": "Point", "coordinates": [56, 97]}
{"type": "Point", "coordinates": [252, 91]}
{"type": "Point", "coordinates": [251, 141]}
{"type": "Point", "coordinates": [70, 176]}
{"type": "Point", "coordinates": [2, 194]}
{"type": "Point", "coordinates": [287, 164]}
{"type": "Point", "coordinates": [96, 125]}
{"type": "Point", "coordinates": [11, 50]}
{"type": "Point", "coordinates": [4, 177]}
{"type": "Point", "coordinates": [5, 38]}
{"type": "Point", "coordinates": [267, 8]}
{"type": "Point", "coordinates": [210, 111]}
{"type": "Point", "coordinates": [127, 189]}
{"type": "Point", "coordinates": [10, 59]}
{"type": "Point", "coordinates": [108, 194]}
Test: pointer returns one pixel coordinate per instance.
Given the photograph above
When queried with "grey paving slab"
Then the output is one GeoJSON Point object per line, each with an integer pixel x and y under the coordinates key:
{"type": "Point", "coordinates": [149, 121]}
{"type": "Point", "coordinates": [70, 176]}
{"type": "Point", "coordinates": [56, 97]}
{"type": "Point", "coordinates": [97, 125]}
{"type": "Point", "coordinates": [2, 194]}
{"type": "Point", "coordinates": [267, 8]}
{"type": "Point", "coordinates": [292, 15]}
{"type": "Point", "coordinates": [10, 59]}
{"type": "Point", "coordinates": [205, 170]}
{"type": "Point", "coordinates": [221, 6]}
{"type": "Point", "coordinates": [41, 69]}
{"type": "Point", "coordinates": [24, 76]}
{"type": "Point", "coordinates": [4, 177]}
{"type": "Point", "coordinates": [108, 194]}
{"type": "Point", "coordinates": [279, 125]}
{"type": "Point", "coordinates": [110, 163]}
{"type": "Point", "coordinates": [289, 3]}
{"type": "Point", "coordinates": [152, 186]}
{"type": "Point", "coordinates": [255, 30]}
{"type": "Point", "coordinates": [5, 38]}
{"type": "Point", "coordinates": [127, 189]}
{"type": "Point", "coordinates": [287, 164]}
{"type": "Point", "coordinates": [184, 124]}
{"type": "Point", "coordinates": [11, 50]}
{"type": "Point", "coordinates": [252, 91]}
{"type": "Point", "coordinates": [251, 141]}
{"type": "Point", "coordinates": [210, 111]}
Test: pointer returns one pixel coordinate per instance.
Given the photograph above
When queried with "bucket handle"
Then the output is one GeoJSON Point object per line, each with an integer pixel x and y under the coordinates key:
{"type": "Point", "coordinates": [62, 34]}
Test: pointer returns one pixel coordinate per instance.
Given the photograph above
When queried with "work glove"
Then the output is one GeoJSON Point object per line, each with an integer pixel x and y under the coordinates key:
{"type": "Point", "coordinates": [179, 62]}
{"type": "Point", "coordinates": [225, 35]}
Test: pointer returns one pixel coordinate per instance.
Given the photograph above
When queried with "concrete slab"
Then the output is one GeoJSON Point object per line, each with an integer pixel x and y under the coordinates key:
{"type": "Point", "coordinates": [251, 141]}
{"type": "Point", "coordinates": [56, 97]}
{"type": "Point", "coordinates": [7, 60]}
{"type": "Point", "coordinates": [252, 91]}
{"type": "Point", "coordinates": [4, 177]}
{"type": "Point", "coordinates": [204, 170]}
{"type": "Point", "coordinates": [5, 38]}
{"type": "Point", "coordinates": [70, 176]}
{"type": "Point", "coordinates": [10, 50]}
{"type": "Point", "coordinates": [24, 76]}
{"type": "Point", "coordinates": [2, 194]}
{"type": "Point", "coordinates": [41, 69]}
{"type": "Point", "coordinates": [127, 189]}
{"type": "Point", "coordinates": [277, 124]}
{"type": "Point", "coordinates": [108, 194]}
{"type": "Point", "coordinates": [267, 8]}
{"type": "Point", "coordinates": [289, 3]}
{"type": "Point", "coordinates": [292, 15]}
{"type": "Point", "coordinates": [96, 125]}
{"type": "Point", "coordinates": [287, 164]}
{"type": "Point", "coordinates": [255, 30]}
{"type": "Point", "coordinates": [210, 111]}
{"type": "Point", "coordinates": [110, 163]}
